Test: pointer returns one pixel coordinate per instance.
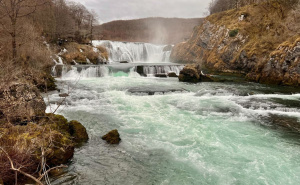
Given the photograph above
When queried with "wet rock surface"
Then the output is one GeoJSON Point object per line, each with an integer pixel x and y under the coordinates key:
{"type": "Point", "coordinates": [193, 74]}
{"type": "Point", "coordinates": [112, 137]}
{"type": "Point", "coordinates": [155, 90]}
{"type": "Point", "coordinates": [78, 132]}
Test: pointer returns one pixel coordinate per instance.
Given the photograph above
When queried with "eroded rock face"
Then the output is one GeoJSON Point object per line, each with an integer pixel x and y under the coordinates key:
{"type": "Point", "coordinates": [20, 103]}
{"type": "Point", "coordinates": [112, 137]}
{"type": "Point", "coordinates": [283, 67]}
{"type": "Point", "coordinates": [213, 48]}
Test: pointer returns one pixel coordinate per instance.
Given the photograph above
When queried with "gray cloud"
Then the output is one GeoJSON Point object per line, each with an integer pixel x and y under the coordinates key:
{"type": "Point", "coordinates": [109, 10]}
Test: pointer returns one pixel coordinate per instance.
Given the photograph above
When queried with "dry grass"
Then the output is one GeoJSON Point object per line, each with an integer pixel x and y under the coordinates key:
{"type": "Point", "coordinates": [80, 53]}
{"type": "Point", "coordinates": [24, 145]}
{"type": "Point", "coordinates": [265, 25]}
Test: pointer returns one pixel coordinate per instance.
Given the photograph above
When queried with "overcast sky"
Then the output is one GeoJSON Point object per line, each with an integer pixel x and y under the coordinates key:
{"type": "Point", "coordinates": [109, 10]}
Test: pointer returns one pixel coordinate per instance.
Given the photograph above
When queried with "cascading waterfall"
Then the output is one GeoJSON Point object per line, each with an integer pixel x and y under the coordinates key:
{"type": "Point", "coordinates": [135, 52]}
{"type": "Point", "coordinates": [143, 59]}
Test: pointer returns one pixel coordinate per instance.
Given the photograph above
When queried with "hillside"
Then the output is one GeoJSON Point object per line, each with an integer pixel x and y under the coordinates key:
{"type": "Point", "coordinates": [261, 41]}
{"type": "Point", "coordinates": [154, 30]}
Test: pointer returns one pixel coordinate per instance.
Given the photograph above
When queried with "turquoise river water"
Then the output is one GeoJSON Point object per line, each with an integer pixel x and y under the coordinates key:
{"type": "Point", "coordinates": [210, 133]}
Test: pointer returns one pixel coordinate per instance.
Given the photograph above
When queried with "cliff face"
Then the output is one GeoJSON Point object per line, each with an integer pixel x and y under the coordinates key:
{"type": "Point", "coordinates": [259, 41]}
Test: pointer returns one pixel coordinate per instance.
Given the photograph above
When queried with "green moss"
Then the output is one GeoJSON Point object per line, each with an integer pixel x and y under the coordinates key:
{"type": "Point", "coordinates": [78, 132]}
{"type": "Point", "coordinates": [112, 137]}
{"type": "Point", "coordinates": [233, 33]}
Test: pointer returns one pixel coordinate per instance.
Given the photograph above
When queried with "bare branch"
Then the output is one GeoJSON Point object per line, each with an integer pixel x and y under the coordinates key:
{"type": "Point", "coordinates": [19, 169]}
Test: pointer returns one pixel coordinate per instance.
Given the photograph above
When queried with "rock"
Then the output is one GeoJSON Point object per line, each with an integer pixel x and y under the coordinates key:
{"type": "Point", "coordinates": [168, 48]}
{"type": "Point", "coordinates": [140, 70]}
{"type": "Point", "coordinates": [193, 73]}
{"type": "Point", "coordinates": [155, 90]}
{"type": "Point", "coordinates": [63, 95]}
{"type": "Point", "coordinates": [189, 74]}
{"type": "Point", "coordinates": [78, 132]}
{"type": "Point", "coordinates": [124, 62]}
{"type": "Point", "coordinates": [112, 137]}
{"type": "Point", "coordinates": [20, 103]}
{"type": "Point", "coordinates": [161, 75]}
{"type": "Point", "coordinates": [172, 74]}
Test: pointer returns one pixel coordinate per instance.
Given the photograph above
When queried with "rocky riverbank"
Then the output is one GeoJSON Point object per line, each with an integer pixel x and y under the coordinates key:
{"type": "Point", "coordinates": [29, 136]}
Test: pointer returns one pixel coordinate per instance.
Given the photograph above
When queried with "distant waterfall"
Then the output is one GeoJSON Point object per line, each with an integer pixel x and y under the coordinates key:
{"type": "Point", "coordinates": [135, 52]}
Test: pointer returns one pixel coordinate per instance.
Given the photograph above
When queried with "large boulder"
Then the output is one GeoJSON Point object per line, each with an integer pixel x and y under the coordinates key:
{"type": "Point", "coordinates": [189, 73]}
{"type": "Point", "coordinates": [112, 137]}
{"type": "Point", "coordinates": [20, 103]}
{"type": "Point", "coordinates": [78, 132]}
{"type": "Point", "coordinates": [193, 74]}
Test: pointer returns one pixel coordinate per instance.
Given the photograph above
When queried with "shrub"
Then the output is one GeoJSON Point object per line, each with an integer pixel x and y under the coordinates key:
{"type": "Point", "coordinates": [233, 33]}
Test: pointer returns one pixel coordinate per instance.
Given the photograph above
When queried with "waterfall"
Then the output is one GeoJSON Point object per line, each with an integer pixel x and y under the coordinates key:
{"type": "Point", "coordinates": [75, 72]}
{"type": "Point", "coordinates": [135, 52]}
{"type": "Point", "coordinates": [153, 70]}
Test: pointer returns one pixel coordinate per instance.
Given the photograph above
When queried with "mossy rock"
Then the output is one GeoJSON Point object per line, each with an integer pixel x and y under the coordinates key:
{"type": "Point", "coordinates": [58, 122]}
{"type": "Point", "coordinates": [189, 74]}
{"type": "Point", "coordinates": [78, 132]}
{"type": "Point", "coordinates": [112, 137]}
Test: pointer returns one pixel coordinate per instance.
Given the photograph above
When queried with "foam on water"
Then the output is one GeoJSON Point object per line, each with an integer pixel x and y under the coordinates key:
{"type": "Point", "coordinates": [211, 134]}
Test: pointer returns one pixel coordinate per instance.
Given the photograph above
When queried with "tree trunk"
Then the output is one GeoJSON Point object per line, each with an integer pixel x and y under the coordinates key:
{"type": "Point", "coordinates": [14, 42]}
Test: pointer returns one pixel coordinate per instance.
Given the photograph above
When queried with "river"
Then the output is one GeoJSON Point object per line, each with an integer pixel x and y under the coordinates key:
{"type": "Point", "coordinates": [178, 133]}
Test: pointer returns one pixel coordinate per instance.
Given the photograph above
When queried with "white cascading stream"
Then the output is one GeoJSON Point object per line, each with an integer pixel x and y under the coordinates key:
{"type": "Point", "coordinates": [153, 70]}
{"type": "Point", "coordinates": [134, 52]}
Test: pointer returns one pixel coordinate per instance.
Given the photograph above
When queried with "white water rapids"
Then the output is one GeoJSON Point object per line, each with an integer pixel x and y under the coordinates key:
{"type": "Point", "coordinates": [208, 133]}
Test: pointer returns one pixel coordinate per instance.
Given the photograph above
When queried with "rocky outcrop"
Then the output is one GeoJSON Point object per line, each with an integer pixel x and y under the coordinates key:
{"type": "Point", "coordinates": [213, 48]}
{"type": "Point", "coordinates": [20, 103]}
{"type": "Point", "coordinates": [263, 46]}
{"type": "Point", "coordinates": [282, 68]}
{"type": "Point", "coordinates": [193, 74]}
{"type": "Point", "coordinates": [112, 137]}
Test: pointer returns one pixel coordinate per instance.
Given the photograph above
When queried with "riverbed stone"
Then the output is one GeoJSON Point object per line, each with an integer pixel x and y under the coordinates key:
{"type": "Point", "coordinates": [112, 137]}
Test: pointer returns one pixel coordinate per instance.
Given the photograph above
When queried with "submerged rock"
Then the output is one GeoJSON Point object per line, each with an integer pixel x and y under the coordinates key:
{"type": "Point", "coordinates": [63, 95]}
{"type": "Point", "coordinates": [161, 75]}
{"type": "Point", "coordinates": [112, 137]}
{"type": "Point", "coordinates": [78, 132]}
{"type": "Point", "coordinates": [155, 90]}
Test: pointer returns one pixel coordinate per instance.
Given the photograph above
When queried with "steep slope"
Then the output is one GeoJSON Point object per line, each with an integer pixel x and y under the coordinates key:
{"type": "Point", "coordinates": [260, 41]}
{"type": "Point", "coordinates": [154, 30]}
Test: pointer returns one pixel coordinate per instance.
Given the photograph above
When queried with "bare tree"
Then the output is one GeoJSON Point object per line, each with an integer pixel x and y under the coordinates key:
{"type": "Point", "coordinates": [13, 10]}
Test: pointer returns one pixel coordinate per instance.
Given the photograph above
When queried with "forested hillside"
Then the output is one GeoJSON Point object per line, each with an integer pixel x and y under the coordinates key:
{"type": "Point", "coordinates": [154, 30]}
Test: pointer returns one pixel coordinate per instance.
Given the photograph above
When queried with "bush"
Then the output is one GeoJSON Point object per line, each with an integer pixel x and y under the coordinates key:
{"type": "Point", "coordinates": [233, 33]}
